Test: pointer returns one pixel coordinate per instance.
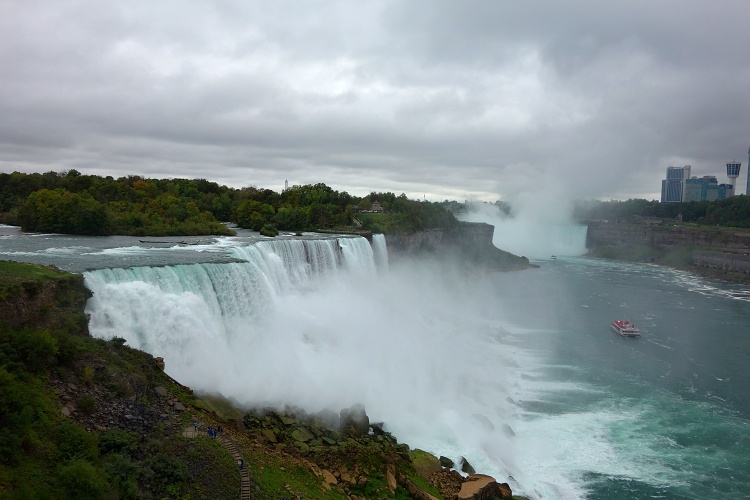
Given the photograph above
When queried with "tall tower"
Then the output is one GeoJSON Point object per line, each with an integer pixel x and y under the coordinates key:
{"type": "Point", "coordinates": [733, 171]}
{"type": "Point", "coordinates": [747, 188]}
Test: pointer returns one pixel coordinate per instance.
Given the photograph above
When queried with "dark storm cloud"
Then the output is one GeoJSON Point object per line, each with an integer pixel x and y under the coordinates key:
{"type": "Point", "coordinates": [449, 99]}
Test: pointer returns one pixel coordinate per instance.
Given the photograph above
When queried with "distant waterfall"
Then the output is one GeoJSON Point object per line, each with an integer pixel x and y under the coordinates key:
{"type": "Point", "coordinates": [534, 237]}
{"type": "Point", "coordinates": [539, 241]}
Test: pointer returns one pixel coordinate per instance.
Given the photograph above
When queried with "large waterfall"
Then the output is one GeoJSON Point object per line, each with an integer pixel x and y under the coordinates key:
{"type": "Point", "coordinates": [165, 309]}
{"type": "Point", "coordinates": [325, 324]}
{"type": "Point", "coordinates": [535, 235]}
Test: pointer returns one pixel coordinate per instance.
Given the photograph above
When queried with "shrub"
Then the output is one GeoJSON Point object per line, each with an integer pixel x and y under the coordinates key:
{"type": "Point", "coordinates": [88, 375]}
{"type": "Point", "coordinates": [82, 480]}
{"type": "Point", "coordinates": [163, 470]}
{"type": "Point", "coordinates": [86, 404]}
{"type": "Point", "coordinates": [38, 348]}
{"type": "Point", "coordinates": [269, 230]}
{"type": "Point", "coordinates": [117, 441]}
{"type": "Point", "coordinates": [74, 442]}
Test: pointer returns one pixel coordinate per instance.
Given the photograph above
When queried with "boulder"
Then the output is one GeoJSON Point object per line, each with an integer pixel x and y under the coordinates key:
{"type": "Point", "coordinates": [329, 479]}
{"type": "Point", "coordinates": [287, 420]}
{"type": "Point", "coordinates": [160, 390]}
{"type": "Point", "coordinates": [238, 424]}
{"type": "Point", "coordinates": [302, 435]}
{"type": "Point", "coordinates": [446, 462]}
{"type": "Point", "coordinates": [390, 476]}
{"type": "Point", "coordinates": [355, 420]}
{"type": "Point", "coordinates": [466, 466]}
{"type": "Point", "coordinates": [377, 428]}
{"type": "Point", "coordinates": [269, 435]}
{"type": "Point", "coordinates": [328, 418]}
{"type": "Point", "coordinates": [482, 487]}
{"type": "Point", "coordinates": [426, 464]}
{"type": "Point", "coordinates": [448, 482]}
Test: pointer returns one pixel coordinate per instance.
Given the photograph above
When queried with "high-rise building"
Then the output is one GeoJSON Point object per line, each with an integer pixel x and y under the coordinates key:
{"type": "Point", "coordinates": [673, 188]}
{"type": "Point", "coordinates": [697, 188]}
{"type": "Point", "coordinates": [733, 171]}
{"type": "Point", "coordinates": [719, 192]}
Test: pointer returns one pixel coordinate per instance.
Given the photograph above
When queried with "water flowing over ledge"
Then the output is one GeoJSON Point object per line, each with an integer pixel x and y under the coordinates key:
{"type": "Point", "coordinates": [158, 307]}
{"type": "Point", "coordinates": [322, 323]}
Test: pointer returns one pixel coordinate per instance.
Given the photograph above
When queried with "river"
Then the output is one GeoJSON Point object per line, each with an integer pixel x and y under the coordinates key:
{"type": "Point", "coordinates": [518, 372]}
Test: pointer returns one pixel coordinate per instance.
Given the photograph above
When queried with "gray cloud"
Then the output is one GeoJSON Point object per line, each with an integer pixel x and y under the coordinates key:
{"type": "Point", "coordinates": [479, 100]}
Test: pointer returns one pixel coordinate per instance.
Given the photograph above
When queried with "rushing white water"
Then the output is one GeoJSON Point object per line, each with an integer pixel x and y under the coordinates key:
{"type": "Point", "coordinates": [310, 323]}
{"type": "Point", "coordinates": [380, 251]}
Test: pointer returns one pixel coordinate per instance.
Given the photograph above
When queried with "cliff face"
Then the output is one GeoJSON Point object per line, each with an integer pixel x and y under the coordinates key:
{"type": "Point", "coordinates": [719, 252]}
{"type": "Point", "coordinates": [668, 237]}
{"type": "Point", "coordinates": [469, 241]}
{"type": "Point", "coordinates": [43, 298]}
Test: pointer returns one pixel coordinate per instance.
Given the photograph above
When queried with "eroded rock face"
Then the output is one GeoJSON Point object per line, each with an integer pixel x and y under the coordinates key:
{"type": "Point", "coordinates": [355, 420]}
{"type": "Point", "coordinates": [483, 487]}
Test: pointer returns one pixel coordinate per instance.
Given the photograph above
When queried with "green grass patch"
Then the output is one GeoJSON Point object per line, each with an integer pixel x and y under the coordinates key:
{"type": "Point", "coordinates": [275, 483]}
{"type": "Point", "coordinates": [219, 405]}
{"type": "Point", "coordinates": [19, 271]}
{"type": "Point", "coordinates": [383, 223]}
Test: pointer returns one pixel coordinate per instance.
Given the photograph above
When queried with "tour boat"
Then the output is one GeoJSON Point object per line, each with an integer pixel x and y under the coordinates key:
{"type": "Point", "coordinates": [625, 328]}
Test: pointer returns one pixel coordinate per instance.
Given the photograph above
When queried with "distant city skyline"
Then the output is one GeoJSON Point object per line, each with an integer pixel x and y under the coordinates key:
{"type": "Point", "coordinates": [682, 184]}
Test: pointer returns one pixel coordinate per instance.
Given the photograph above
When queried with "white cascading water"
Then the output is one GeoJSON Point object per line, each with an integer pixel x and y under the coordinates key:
{"type": "Point", "coordinates": [380, 251]}
{"type": "Point", "coordinates": [312, 323]}
{"type": "Point", "coordinates": [536, 236]}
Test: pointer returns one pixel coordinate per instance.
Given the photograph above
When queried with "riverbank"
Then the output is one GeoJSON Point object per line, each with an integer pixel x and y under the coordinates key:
{"type": "Point", "coordinates": [712, 252]}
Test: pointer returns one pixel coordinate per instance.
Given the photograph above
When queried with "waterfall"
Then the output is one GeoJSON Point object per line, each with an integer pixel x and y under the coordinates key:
{"type": "Point", "coordinates": [535, 238]}
{"type": "Point", "coordinates": [311, 323]}
{"type": "Point", "coordinates": [380, 251]}
{"type": "Point", "coordinates": [161, 308]}
{"type": "Point", "coordinates": [358, 255]}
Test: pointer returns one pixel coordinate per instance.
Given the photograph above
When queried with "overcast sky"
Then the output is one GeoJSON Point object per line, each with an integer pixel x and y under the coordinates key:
{"type": "Point", "coordinates": [444, 99]}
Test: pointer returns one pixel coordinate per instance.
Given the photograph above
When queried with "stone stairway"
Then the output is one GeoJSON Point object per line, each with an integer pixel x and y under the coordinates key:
{"type": "Point", "coordinates": [231, 445]}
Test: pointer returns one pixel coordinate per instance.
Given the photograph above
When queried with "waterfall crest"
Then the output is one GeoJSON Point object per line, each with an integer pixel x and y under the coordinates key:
{"type": "Point", "coordinates": [158, 308]}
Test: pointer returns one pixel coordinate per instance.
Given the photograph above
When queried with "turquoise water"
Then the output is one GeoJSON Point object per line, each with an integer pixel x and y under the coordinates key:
{"type": "Point", "coordinates": [664, 416]}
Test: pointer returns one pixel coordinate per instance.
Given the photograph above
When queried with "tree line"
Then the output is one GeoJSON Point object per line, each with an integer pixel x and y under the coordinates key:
{"type": "Point", "coordinates": [74, 203]}
{"type": "Point", "coordinates": [730, 212]}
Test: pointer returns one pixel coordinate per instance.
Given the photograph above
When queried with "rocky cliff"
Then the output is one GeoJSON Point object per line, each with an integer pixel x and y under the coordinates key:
{"type": "Point", "coordinates": [668, 237]}
{"type": "Point", "coordinates": [42, 297]}
{"type": "Point", "coordinates": [469, 241]}
{"type": "Point", "coordinates": [713, 248]}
